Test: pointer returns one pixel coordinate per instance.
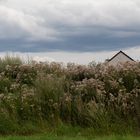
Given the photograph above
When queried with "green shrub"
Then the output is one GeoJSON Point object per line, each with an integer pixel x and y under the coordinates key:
{"type": "Point", "coordinates": [95, 96]}
{"type": "Point", "coordinates": [9, 61]}
{"type": "Point", "coordinates": [49, 91]}
{"type": "Point", "coordinates": [7, 125]}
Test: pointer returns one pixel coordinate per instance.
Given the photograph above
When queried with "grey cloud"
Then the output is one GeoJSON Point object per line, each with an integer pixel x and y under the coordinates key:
{"type": "Point", "coordinates": [75, 43]}
{"type": "Point", "coordinates": [69, 25]}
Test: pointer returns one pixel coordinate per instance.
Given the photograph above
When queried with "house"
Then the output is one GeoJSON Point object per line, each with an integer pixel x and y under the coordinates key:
{"type": "Point", "coordinates": [120, 57]}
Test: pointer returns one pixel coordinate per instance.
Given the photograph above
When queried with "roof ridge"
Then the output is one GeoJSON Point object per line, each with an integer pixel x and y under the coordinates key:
{"type": "Point", "coordinates": [119, 53]}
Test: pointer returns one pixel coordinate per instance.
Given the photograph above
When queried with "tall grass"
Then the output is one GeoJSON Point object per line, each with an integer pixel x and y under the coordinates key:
{"type": "Point", "coordinates": [9, 60]}
{"type": "Point", "coordinates": [39, 96]}
{"type": "Point", "coordinates": [51, 137]}
{"type": "Point", "coordinates": [49, 92]}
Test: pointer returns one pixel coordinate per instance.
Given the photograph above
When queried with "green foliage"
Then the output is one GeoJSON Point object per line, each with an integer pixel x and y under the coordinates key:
{"type": "Point", "coordinates": [103, 98]}
{"type": "Point", "coordinates": [49, 91]}
{"type": "Point", "coordinates": [9, 60]}
{"type": "Point", "coordinates": [7, 125]}
{"type": "Point", "coordinates": [54, 137]}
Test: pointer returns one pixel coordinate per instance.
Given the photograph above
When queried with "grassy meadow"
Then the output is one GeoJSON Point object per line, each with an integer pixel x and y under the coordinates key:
{"type": "Point", "coordinates": [67, 138]}
{"type": "Point", "coordinates": [69, 102]}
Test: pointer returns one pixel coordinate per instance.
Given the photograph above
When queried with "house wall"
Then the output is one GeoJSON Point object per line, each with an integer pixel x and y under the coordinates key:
{"type": "Point", "coordinates": [120, 58]}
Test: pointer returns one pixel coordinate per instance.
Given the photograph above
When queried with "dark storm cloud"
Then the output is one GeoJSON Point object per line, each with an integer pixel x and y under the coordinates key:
{"type": "Point", "coordinates": [83, 42]}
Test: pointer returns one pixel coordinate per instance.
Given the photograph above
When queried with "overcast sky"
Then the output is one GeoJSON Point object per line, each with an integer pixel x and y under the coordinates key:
{"type": "Point", "coordinates": [70, 30]}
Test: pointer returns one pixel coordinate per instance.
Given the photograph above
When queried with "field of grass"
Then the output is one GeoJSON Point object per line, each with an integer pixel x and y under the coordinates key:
{"type": "Point", "coordinates": [70, 101]}
{"type": "Point", "coordinates": [45, 137]}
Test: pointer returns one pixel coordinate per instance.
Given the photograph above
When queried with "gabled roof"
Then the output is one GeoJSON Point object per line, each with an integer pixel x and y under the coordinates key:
{"type": "Point", "coordinates": [118, 54]}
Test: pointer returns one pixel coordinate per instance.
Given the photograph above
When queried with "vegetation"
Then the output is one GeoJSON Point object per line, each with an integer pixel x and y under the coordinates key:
{"type": "Point", "coordinates": [68, 138]}
{"type": "Point", "coordinates": [48, 97]}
